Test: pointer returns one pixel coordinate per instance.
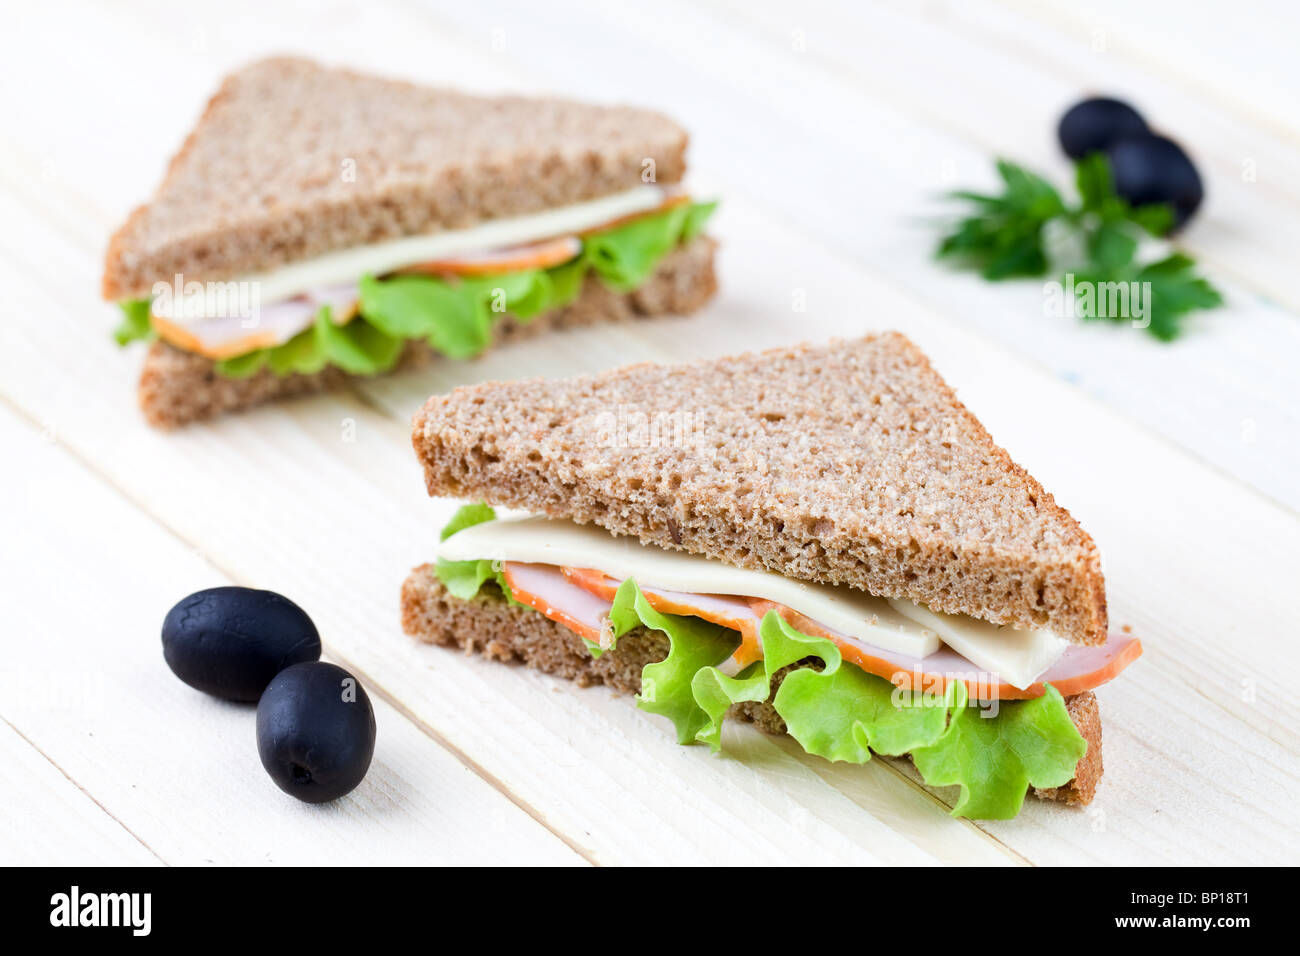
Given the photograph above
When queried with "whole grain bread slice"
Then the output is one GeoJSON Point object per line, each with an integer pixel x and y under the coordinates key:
{"type": "Point", "coordinates": [292, 159]}
{"type": "Point", "coordinates": [487, 625]}
{"type": "Point", "coordinates": [179, 387]}
{"type": "Point", "coordinates": [851, 463]}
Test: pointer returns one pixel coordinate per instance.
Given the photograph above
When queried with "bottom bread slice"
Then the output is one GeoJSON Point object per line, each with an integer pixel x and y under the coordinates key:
{"type": "Point", "coordinates": [487, 625]}
{"type": "Point", "coordinates": [179, 387]}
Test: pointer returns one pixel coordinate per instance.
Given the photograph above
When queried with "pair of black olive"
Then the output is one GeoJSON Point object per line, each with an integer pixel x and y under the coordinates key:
{"type": "Point", "coordinates": [315, 725]}
{"type": "Point", "coordinates": [1147, 168]}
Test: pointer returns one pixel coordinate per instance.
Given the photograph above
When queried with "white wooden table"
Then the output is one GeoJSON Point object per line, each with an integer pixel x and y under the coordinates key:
{"type": "Point", "coordinates": [827, 131]}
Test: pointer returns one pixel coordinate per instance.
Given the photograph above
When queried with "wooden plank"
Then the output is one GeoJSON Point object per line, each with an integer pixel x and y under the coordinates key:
{"type": "Point", "coordinates": [88, 686]}
{"type": "Point", "coordinates": [61, 825]}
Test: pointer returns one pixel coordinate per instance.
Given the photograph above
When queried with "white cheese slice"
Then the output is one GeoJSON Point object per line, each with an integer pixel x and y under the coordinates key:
{"type": "Point", "coordinates": [349, 265]}
{"type": "Point", "coordinates": [1017, 656]}
{"type": "Point", "coordinates": [536, 540]}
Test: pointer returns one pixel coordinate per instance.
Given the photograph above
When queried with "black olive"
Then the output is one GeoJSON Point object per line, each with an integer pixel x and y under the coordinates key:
{"type": "Point", "coordinates": [1154, 169]}
{"type": "Point", "coordinates": [231, 641]}
{"type": "Point", "coordinates": [1093, 124]}
{"type": "Point", "coordinates": [315, 731]}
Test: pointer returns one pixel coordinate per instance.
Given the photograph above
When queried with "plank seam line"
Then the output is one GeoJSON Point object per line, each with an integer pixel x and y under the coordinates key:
{"type": "Point", "coordinates": [894, 764]}
{"type": "Point", "coordinates": [492, 779]}
{"type": "Point", "coordinates": [90, 796]}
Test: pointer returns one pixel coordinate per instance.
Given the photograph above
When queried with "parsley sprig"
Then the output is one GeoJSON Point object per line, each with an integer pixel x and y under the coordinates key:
{"type": "Point", "coordinates": [1029, 231]}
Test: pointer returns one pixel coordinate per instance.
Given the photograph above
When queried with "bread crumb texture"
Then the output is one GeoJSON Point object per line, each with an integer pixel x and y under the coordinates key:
{"type": "Point", "coordinates": [292, 160]}
{"type": "Point", "coordinates": [851, 463]}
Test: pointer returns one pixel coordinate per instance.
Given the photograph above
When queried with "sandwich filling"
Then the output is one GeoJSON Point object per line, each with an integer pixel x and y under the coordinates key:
{"type": "Point", "coordinates": [358, 308]}
{"type": "Point", "coordinates": [888, 676]}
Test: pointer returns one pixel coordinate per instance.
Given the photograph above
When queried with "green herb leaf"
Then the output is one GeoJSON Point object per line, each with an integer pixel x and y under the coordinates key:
{"type": "Point", "coordinates": [1004, 238]}
{"type": "Point", "coordinates": [1100, 206]}
{"type": "Point", "coordinates": [1111, 246]}
{"type": "Point", "coordinates": [1176, 290]}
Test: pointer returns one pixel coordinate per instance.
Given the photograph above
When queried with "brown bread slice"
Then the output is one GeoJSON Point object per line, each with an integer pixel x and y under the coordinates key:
{"type": "Point", "coordinates": [489, 626]}
{"type": "Point", "coordinates": [262, 180]}
{"type": "Point", "coordinates": [851, 463]}
{"type": "Point", "coordinates": [178, 387]}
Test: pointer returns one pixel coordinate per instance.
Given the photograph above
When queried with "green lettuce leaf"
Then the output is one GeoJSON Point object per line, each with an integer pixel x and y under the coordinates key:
{"type": "Point", "coordinates": [715, 692]}
{"type": "Point", "coordinates": [697, 215]}
{"type": "Point", "coordinates": [693, 644]}
{"type": "Point", "coordinates": [463, 579]}
{"type": "Point", "coordinates": [625, 256]}
{"type": "Point", "coordinates": [135, 325]}
{"type": "Point", "coordinates": [456, 317]}
{"type": "Point", "coordinates": [467, 516]}
{"type": "Point", "coordinates": [356, 347]}
{"type": "Point", "coordinates": [840, 712]}
{"type": "Point", "coordinates": [242, 366]}
{"type": "Point", "coordinates": [995, 760]}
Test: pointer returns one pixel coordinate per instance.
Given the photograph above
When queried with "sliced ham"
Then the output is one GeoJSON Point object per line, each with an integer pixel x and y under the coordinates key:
{"type": "Point", "coordinates": [222, 337]}
{"type": "Point", "coordinates": [543, 588]}
{"type": "Point", "coordinates": [580, 599]}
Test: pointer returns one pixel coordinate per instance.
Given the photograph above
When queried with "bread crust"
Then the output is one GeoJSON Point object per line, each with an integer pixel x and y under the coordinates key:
{"type": "Point", "coordinates": [850, 464]}
{"type": "Point", "coordinates": [487, 625]}
{"type": "Point", "coordinates": [179, 387]}
{"type": "Point", "coordinates": [262, 178]}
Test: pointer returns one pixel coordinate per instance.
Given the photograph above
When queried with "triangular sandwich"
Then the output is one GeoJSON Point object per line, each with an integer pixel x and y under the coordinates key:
{"type": "Point", "coordinates": [320, 223]}
{"type": "Point", "coordinates": [820, 539]}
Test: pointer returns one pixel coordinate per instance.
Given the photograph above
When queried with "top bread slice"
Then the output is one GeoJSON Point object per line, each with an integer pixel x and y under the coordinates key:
{"type": "Point", "coordinates": [851, 463]}
{"type": "Point", "coordinates": [292, 160]}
